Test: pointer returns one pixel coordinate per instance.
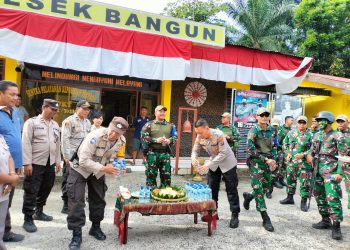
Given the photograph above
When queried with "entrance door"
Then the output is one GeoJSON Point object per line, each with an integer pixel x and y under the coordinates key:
{"type": "Point", "coordinates": [118, 103]}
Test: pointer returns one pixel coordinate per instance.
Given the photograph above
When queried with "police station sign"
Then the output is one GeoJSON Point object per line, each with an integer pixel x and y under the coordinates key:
{"type": "Point", "coordinates": [118, 17]}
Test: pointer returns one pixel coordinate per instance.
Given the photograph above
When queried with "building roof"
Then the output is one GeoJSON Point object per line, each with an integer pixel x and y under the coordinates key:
{"type": "Point", "coordinates": [333, 81]}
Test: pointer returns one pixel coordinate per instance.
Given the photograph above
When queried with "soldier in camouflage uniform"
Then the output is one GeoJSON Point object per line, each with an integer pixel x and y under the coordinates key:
{"type": "Point", "coordinates": [343, 123]}
{"type": "Point", "coordinates": [74, 130]}
{"type": "Point", "coordinates": [296, 146]}
{"type": "Point", "coordinates": [231, 132]}
{"type": "Point", "coordinates": [314, 126]}
{"type": "Point", "coordinates": [260, 160]}
{"type": "Point", "coordinates": [280, 172]}
{"type": "Point", "coordinates": [326, 145]}
{"type": "Point", "coordinates": [157, 136]}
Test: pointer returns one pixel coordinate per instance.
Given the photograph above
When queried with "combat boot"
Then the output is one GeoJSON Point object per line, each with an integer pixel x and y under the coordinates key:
{"type": "Point", "coordinates": [266, 222]}
{"type": "Point", "coordinates": [282, 182]}
{"type": "Point", "coordinates": [65, 207]}
{"type": "Point", "coordinates": [277, 183]}
{"type": "Point", "coordinates": [96, 231]}
{"type": "Point", "coordinates": [76, 240]}
{"type": "Point", "coordinates": [336, 232]}
{"type": "Point", "coordinates": [29, 225]}
{"type": "Point", "coordinates": [288, 201]}
{"type": "Point", "coordinates": [234, 222]}
{"type": "Point", "coordinates": [303, 206]}
{"type": "Point", "coordinates": [247, 199]}
{"type": "Point", "coordinates": [40, 215]}
{"type": "Point", "coordinates": [325, 223]}
{"type": "Point", "coordinates": [269, 195]}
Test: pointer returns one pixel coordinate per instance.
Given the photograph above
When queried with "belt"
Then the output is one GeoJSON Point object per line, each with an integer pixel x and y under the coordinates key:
{"type": "Point", "coordinates": [159, 150]}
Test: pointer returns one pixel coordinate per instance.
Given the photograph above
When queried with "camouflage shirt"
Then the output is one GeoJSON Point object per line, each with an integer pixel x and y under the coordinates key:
{"type": "Point", "coordinates": [282, 131]}
{"type": "Point", "coordinates": [260, 143]}
{"type": "Point", "coordinates": [148, 141]}
{"type": "Point", "coordinates": [331, 145]}
{"type": "Point", "coordinates": [233, 133]}
{"type": "Point", "coordinates": [297, 142]}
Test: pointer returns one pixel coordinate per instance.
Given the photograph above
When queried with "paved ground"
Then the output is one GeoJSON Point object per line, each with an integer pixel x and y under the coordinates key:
{"type": "Point", "coordinates": [293, 227]}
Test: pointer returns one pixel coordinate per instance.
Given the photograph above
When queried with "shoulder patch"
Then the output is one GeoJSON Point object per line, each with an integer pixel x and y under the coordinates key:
{"type": "Point", "coordinates": [67, 124]}
{"type": "Point", "coordinates": [93, 141]}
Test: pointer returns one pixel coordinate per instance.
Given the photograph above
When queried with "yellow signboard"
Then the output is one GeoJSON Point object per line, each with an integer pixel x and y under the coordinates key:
{"type": "Point", "coordinates": [118, 17]}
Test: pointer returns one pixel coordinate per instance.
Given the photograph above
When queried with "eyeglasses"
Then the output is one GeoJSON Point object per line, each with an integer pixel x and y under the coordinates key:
{"type": "Point", "coordinates": [264, 115]}
{"type": "Point", "coordinates": [302, 122]}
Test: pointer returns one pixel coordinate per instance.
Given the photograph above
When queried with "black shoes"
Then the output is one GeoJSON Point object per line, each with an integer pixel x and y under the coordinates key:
{"type": "Point", "coordinates": [13, 237]}
{"type": "Point", "coordinates": [29, 225]}
{"type": "Point", "coordinates": [277, 183]}
{"type": "Point", "coordinates": [336, 232]}
{"type": "Point", "coordinates": [76, 240]}
{"type": "Point", "coordinates": [234, 222]}
{"type": "Point", "coordinates": [325, 223]}
{"type": "Point", "coordinates": [288, 201]}
{"type": "Point", "coordinates": [96, 231]}
{"type": "Point", "coordinates": [247, 199]}
{"type": "Point", "coordinates": [269, 195]}
{"type": "Point", "coordinates": [303, 206]}
{"type": "Point", "coordinates": [267, 222]}
{"type": "Point", "coordinates": [40, 215]}
{"type": "Point", "coordinates": [282, 182]}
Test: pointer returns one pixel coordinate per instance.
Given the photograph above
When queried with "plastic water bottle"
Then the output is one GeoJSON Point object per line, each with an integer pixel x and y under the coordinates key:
{"type": "Point", "coordinates": [116, 164]}
{"type": "Point", "coordinates": [148, 192]}
{"type": "Point", "coordinates": [142, 192]}
{"type": "Point", "coordinates": [122, 166]}
{"type": "Point", "coordinates": [331, 177]}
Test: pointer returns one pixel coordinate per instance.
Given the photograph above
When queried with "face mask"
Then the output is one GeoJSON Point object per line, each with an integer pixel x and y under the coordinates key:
{"type": "Point", "coordinates": [323, 124]}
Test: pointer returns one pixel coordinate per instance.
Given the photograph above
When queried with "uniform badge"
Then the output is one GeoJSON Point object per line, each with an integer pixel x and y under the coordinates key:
{"type": "Point", "coordinates": [119, 126]}
{"type": "Point", "coordinates": [93, 141]}
{"type": "Point", "coordinates": [67, 124]}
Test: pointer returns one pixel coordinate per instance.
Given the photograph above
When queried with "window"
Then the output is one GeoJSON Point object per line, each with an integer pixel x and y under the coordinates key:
{"type": "Point", "coordinates": [2, 69]}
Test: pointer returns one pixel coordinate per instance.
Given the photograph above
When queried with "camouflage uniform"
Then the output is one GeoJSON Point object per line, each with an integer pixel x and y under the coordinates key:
{"type": "Point", "coordinates": [346, 174]}
{"type": "Point", "coordinates": [233, 133]}
{"type": "Point", "coordinates": [328, 192]}
{"type": "Point", "coordinates": [282, 131]}
{"type": "Point", "coordinates": [259, 148]}
{"type": "Point", "coordinates": [158, 155]}
{"type": "Point", "coordinates": [294, 143]}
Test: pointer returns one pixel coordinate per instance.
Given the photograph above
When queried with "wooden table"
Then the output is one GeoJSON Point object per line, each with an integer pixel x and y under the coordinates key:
{"type": "Point", "coordinates": [122, 210]}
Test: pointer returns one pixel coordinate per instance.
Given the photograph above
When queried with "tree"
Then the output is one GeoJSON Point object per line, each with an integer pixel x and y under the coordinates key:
{"type": "Point", "coordinates": [262, 24]}
{"type": "Point", "coordinates": [323, 32]}
{"type": "Point", "coordinates": [196, 10]}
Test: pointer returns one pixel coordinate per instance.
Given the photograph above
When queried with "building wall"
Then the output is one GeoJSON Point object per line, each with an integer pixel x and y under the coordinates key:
{"type": "Point", "coordinates": [211, 110]}
{"type": "Point", "coordinates": [10, 72]}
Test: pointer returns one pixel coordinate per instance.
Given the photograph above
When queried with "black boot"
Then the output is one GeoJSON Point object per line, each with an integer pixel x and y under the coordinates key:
{"type": "Point", "coordinates": [40, 215]}
{"type": "Point", "coordinates": [325, 223]}
{"type": "Point", "coordinates": [65, 207]}
{"type": "Point", "coordinates": [96, 231]}
{"type": "Point", "coordinates": [29, 225]}
{"type": "Point", "coordinates": [234, 222]}
{"type": "Point", "coordinates": [336, 232]}
{"type": "Point", "coordinates": [303, 206]}
{"type": "Point", "coordinates": [266, 222]}
{"type": "Point", "coordinates": [269, 195]}
{"type": "Point", "coordinates": [277, 184]}
{"type": "Point", "coordinates": [282, 182]}
{"type": "Point", "coordinates": [288, 201]}
{"type": "Point", "coordinates": [247, 199]}
{"type": "Point", "coordinates": [76, 240]}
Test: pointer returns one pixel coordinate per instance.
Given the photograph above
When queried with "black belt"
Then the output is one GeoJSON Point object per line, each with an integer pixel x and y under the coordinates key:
{"type": "Point", "coordinates": [159, 150]}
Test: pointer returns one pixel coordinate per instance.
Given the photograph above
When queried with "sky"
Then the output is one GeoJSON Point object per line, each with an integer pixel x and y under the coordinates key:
{"type": "Point", "coordinates": [153, 6]}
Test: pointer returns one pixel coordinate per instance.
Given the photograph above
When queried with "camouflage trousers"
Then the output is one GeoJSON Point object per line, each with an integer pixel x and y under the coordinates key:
{"type": "Point", "coordinates": [346, 177]}
{"type": "Point", "coordinates": [295, 171]}
{"type": "Point", "coordinates": [281, 168]}
{"type": "Point", "coordinates": [158, 161]}
{"type": "Point", "coordinates": [260, 179]}
{"type": "Point", "coordinates": [328, 193]}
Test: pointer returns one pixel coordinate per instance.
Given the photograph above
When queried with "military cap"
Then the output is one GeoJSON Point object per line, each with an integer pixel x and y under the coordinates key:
{"type": "Point", "coordinates": [226, 114]}
{"type": "Point", "coordinates": [118, 124]}
{"type": "Point", "coordinates": [275, 122]}
{"type": "Point", "coordinates": [50, 103]}
{"type": "Point", "coordinates": [262, 110]}
{"type": "Point", "coordinates": [160, 107]}
{"type": "Point", "coordinates": [302, 118]}
{"type": "Point", "coordinates": [83, 104]}
{"type": "Point", "coordinates": [342, 117]}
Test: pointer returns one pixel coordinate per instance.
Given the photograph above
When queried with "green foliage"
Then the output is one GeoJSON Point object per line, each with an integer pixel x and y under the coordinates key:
{"type": "Point", "coordinates": [323, 32]}
{"type": "Point", "coordinates": [196, 10]}
{"type": "Point", "coordinates": [262, 24]}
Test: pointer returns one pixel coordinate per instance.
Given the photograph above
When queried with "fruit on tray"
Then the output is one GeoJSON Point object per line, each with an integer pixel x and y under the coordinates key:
{"type": "Point", "coordinates": [169, 193]}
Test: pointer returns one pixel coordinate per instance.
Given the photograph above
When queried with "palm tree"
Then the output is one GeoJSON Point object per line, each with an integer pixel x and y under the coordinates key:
{"type": "Point", "coordinates": [261, 24]}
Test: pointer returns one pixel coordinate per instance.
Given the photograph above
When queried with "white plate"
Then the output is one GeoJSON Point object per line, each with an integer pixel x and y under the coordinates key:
{"type": "Point", "coordinates": [343, 158]}
{"type": "Point", "coordinates": [135, 194]}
